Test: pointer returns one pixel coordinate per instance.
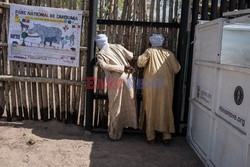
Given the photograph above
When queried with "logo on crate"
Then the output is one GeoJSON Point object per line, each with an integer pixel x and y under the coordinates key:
{"type": "Point", "coordinates": [238, 95]}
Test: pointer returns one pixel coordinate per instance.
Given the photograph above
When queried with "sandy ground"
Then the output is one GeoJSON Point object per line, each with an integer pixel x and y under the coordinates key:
{"type": "Point", "coordinates": [30, 143]}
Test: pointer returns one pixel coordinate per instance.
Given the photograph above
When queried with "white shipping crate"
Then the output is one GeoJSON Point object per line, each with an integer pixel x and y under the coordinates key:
{"type": "Point", "coordinates": [200, 129]}
{"type": "Point", "coordinates": [236, 34]}
{"type": "Point", "coordinates": [229, 148]}
{"type": "Point", "coordinates": [204, 85]}
{"type": "Point", "coordinates": [219, 119]}
{"type": "Point", "coordinates": [233, 99]}
{"type": "Point", "coordinates": [208, 35]}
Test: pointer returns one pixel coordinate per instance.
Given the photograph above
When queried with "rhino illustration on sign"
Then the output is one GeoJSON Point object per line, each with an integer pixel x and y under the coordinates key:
{"type": "Point", "coordinates": [46, 32]}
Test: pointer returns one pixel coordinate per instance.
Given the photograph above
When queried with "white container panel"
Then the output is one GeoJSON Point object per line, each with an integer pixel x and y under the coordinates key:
{"type": "Point", "coordinates": [204, 85]}
{"type": "Point", "coordinates": [208, 41]}
{"type": "Point", "coordinates": [228, 149]}
{"type": "Point", "coordinates": [233, 103]}
{"type": "Point", "coordinates": [200, 129]}
{"type": "Point", "coordinates": [235, 45]}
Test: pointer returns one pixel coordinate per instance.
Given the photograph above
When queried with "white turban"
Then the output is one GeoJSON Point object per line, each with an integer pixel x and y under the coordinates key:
{"type": "Point", "coordinates": [101, 40]}
{"type": "Point", "coordinates": [156, 40]}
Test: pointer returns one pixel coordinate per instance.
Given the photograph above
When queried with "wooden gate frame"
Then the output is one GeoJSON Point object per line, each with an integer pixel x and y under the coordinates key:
{"type": "Point", "coordinates": [181, 56]}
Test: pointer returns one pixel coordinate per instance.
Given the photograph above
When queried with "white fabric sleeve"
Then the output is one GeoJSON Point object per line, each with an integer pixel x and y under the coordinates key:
{"type": "Point", "coordinates": [143, 59]}
{"type": "Point", "coordinates": [109, 67]}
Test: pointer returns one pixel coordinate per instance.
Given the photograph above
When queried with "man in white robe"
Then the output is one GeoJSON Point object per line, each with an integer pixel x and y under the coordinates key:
{"type": "Point", "coordinates": [159, 65]}
{"type": "Point", "coordinates": [114, 60]}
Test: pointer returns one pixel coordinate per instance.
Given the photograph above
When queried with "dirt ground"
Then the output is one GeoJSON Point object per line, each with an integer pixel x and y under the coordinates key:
{"type": "Point", "coordinates": [30, 143]}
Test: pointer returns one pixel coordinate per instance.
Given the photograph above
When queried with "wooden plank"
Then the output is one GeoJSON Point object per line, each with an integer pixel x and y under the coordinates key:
{"type": "Point", "coordinates": [232, 5]}
{"type": "Point", "coordinates": [42, 2]}
{"type": "Point", "coordinates": [7, 102]}
{"type": "Point", "coordinates": [13, 92]}
{"type": "Point", "coordinates": [51, 3]}
{"type": "Point", "coordinates": [82, 89]}
{"type": "Point", "coordinates": [85, 32]}
{"type": "Point", "coordinates": [33, 3]}
{"type": "Point", "coordinates": [63, 102]}
{"type": "Point", "coordinates": [68, 97]}
{"type": "Point", "coordinates": [73, 88]}
{"type": "Point", "coordinates": [170, 20]}
{"type": "Point", "coordinates": [40, 99]}
{"type": "Point", "coordinates": [50, 93]}
{"type": "Point", "coordinates": [39, 79]}
{"type": "Point", "coordinates": [2, 101]}
{"type": "Point", "coordinates": [151, 14]}
{"type": "Point", "coordinates": [45, 93]}
{"type": "Point", "coordinates": [82, 94]}
{"type": "Point", "coordinates": [6, 45]}
{"type": "Point", "coordinates": [158, 5]}
{"type": "Point", "coordinates": [29, 92]}
{"type": "Point", "coordinates": [103, 120]}
{"type": "Point", "coordinates": [214, 9]}
{"type": "Point", "coordinates": [145, 34]}
{"type": "Point", "coordinates": [78, 94]}
{"type": "Point", "coordinates": [96, 102]}
{"type": "Point", "coordinates": [61, 4]}
{"type": "Point", "coordinates": [56, 94]}
{"type": "Point", "coordinates": [123, 17]}
{"type": "Point", "coordinates": [34, 86]}
{"type": "Point", "coordinates": [127, 28]}
{"type": "Point", "coordinates": [124, 10]}
{"type": "Point", "coordinates": [18, 92]}
{"type": "Point", "coordinates": [23, 92]}
{"type": "Point", "coordinates": [134, 9]}
{"type": "Point", "coordinates": [4, 34]}
{"type": "Point", "coordinates": [204, 12]}
{"type": "Point", "coordinates": [171, 10]}
{"type": "Point", "coordinates": [242, 4]}
{"type": "Point", "coordinates": [164, 19]}
{"type": "Point", "coordinates": [82, 5]}
{"type": "Point", "coordinates": [164, 11]}
{"type": "Point", "coordinates": [175, 30]}
{"type": "Point", "coordinates": [82, 109]}
{"type": "Point", "coordinates": [176, 7]}
{"type": "Point", "coordinates": [74, 98]}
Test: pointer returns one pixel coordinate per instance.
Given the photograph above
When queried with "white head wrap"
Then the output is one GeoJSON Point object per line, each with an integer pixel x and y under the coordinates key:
{"type": "Point", "coordinates": [156, 40]}
{"type": "Point", "coordinates": [101, 40]}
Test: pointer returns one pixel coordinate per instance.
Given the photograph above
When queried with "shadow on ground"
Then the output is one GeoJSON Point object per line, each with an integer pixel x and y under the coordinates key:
{"type": "Point", "coordinates": [70, 145]}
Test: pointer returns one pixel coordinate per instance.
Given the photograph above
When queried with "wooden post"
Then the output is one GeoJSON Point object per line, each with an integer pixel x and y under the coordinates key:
{"type": "Point", "coordinates": [5, 106]}
{"type": "Point", "coordinates": [2, 103]}
{"type": "Point", "coordinates": [181, 56]}
{"type": "Point", "coordinates": [223, 7]}
{"type": "Point", "coordinates": [214, 9]}
{"type": "Point", "coordinates": [90, 61]}
{"type": "Point", "coordinates": [242, 4]}
{"type": "Point", "coordinates": [1, 100]}
{"type": "Point", "coordinates": [232, 5]}
{"type": "Point", "coordinates": [204, 12]}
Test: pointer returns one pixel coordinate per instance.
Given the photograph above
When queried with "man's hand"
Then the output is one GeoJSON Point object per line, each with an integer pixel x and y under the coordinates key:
{"type": "Point", "coordinates": [128, 69]}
